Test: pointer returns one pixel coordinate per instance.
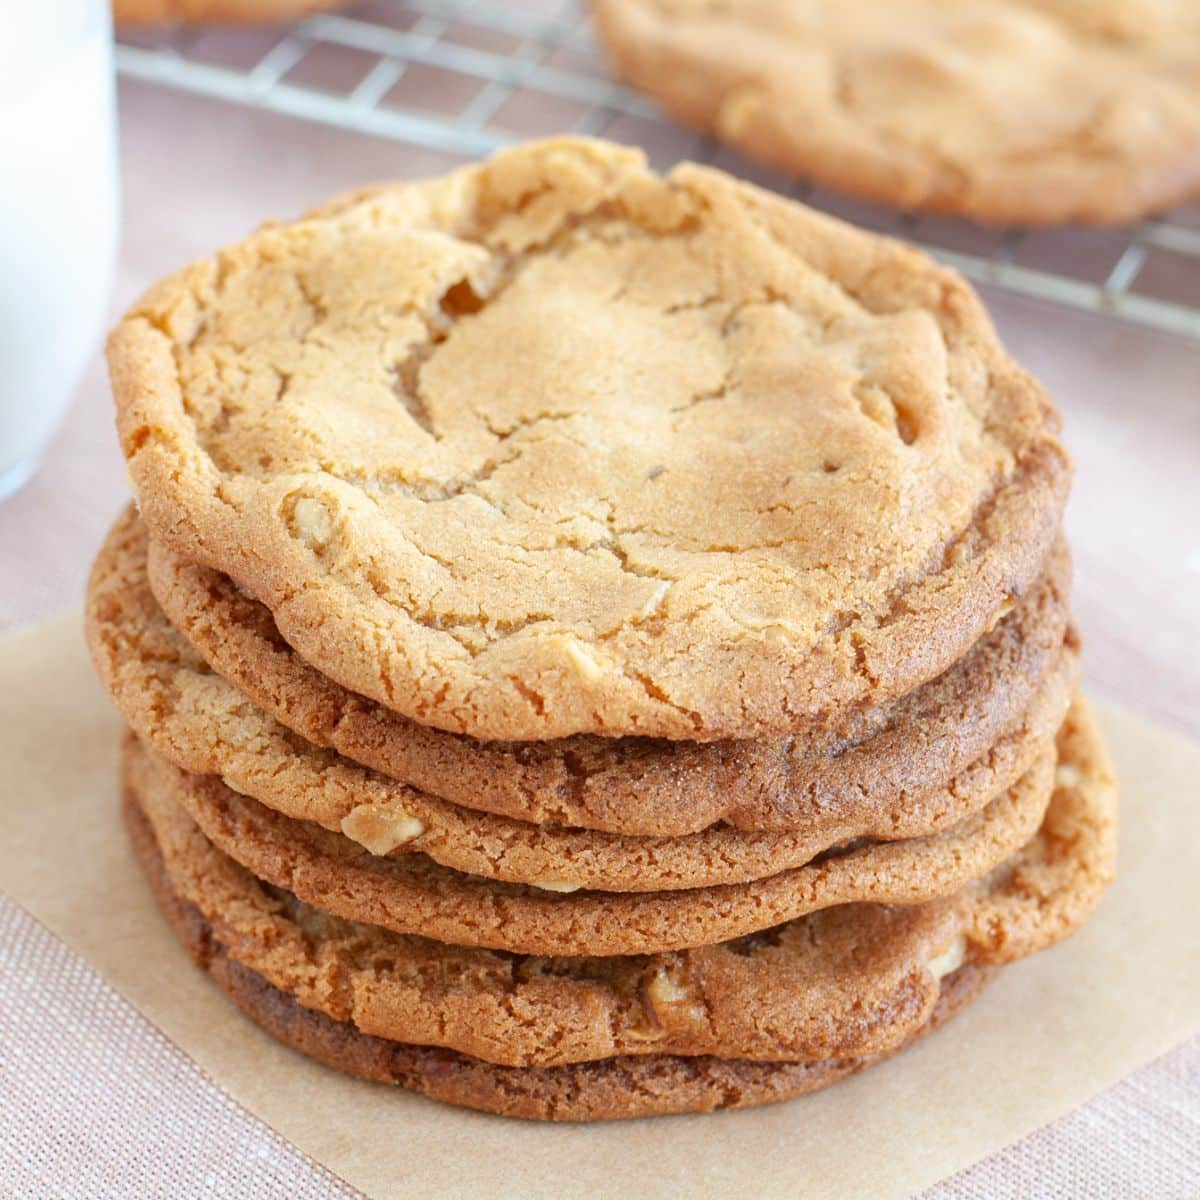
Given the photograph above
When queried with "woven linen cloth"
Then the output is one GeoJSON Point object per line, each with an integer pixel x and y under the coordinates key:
{"type": "Point", "coordinates": [96, 1103]}
{"type": "Point", "coordinates": [1141, 1138]}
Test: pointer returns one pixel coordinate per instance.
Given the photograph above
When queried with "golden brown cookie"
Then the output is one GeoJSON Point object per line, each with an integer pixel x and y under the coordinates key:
{"type": "Point", "coordinates": [849, 981]}
{"type": "Point", "coordinates": [203, 724]}
{"type": "Point", "coordinates": [214, 12]}
{"type": "Point", "coordinates": [606, 1089]}
{"type": "Point", "coordinates": [609, 1089]}
{"type": "Point", "coordinates": [1026, 904]}
{"type": "Point", "coordinates": [1006, 111]}
{"type": "Point", "coordinates": [998, 696]}
{"type": "Point", "coordinates": [553, 445]}
{"type": "Point", "coordinates": [412, 894]}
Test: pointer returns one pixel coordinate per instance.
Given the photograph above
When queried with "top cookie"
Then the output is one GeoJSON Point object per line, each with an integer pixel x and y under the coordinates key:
{"type": "Point", "coordinates": [553, 445]}
{"type": "Point", "coordinates": [1012, 111]}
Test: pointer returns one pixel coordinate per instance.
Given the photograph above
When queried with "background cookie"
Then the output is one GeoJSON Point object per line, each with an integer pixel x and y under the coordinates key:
{"type": "Point", "coordinates": [1009, 111]}
{"type": "Point", "coordinates": [331, 413]}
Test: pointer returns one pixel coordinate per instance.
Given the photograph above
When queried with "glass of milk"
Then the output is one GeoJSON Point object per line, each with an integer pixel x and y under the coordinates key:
{"type": "Point", "coordinates": [58, 214]}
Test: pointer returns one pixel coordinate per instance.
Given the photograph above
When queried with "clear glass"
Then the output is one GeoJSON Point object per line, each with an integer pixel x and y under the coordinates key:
{"type": "Point", "coordinates": [58, 214]}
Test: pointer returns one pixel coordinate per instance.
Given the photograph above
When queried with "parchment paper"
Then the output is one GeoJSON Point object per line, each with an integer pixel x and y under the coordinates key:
{"type": "Point", "coordinates": [1049, 1034]}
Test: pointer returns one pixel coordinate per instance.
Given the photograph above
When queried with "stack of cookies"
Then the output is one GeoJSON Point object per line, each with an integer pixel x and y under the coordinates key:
{"type": "Point", "coordinates": [594, 644]}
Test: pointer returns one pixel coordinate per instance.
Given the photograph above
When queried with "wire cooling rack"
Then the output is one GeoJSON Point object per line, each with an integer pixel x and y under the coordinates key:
{"type": "Point", "coordinates": [465, 77]}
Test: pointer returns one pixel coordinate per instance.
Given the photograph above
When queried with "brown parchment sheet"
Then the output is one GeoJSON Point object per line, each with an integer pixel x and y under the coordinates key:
{"type": "Point", "coordinates": [1049, 1034]}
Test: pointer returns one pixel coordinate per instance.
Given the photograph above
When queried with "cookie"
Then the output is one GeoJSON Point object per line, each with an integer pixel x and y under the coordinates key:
{"type": "Point", "coordinates": [412, 894]}
{"type": "Point", "coordinates": [212, 12]}
{"type": "Point", "coordinates": [887, 757]}
{"type": "Point", "coordinates": [599, 1090]}
{"type": "Point", "coordinates": [1024, 112]}
{"type": "Point", "coordinates": [853, 980]}
{"type": "Point", "coordinates": [1025, 904]}
{"type": "Point", "coordinates": [610, 1089]}
{"type": "Point", "coordinates": [553, 445]}
{"type": "Point", "coordinates": [203, 724]}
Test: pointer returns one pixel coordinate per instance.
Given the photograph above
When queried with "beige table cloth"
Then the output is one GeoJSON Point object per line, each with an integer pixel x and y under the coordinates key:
{"type": "Point", "coordinates": [95, 1101]}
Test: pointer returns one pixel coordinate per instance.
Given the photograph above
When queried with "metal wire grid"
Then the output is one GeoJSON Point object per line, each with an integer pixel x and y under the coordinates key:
{"type": "Point", "coordinates": [465, 77]}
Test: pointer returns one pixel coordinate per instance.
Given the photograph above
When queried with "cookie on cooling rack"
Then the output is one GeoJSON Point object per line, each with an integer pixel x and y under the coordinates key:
{"type": "Point", "coordinates": [1005, 111]}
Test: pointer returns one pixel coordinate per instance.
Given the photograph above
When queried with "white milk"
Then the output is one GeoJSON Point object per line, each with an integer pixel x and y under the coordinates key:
{"type": "Point", "coordinates": [58, 214]}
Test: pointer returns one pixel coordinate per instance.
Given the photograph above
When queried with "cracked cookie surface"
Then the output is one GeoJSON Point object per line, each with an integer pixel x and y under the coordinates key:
{"type": "Point", "coordinates": [1006, 111]}
{"type": "Point", "coordinates": [852, 980]}
{"type": "Point", "coordinates": [553, 445]}
{"type": "Point", "coordinates": [995, 704]}
{"type": "Point", "coordinates": [201, 723]}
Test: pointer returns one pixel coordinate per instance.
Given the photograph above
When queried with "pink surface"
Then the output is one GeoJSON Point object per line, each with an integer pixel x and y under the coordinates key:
{"type": "Point", "coordinates": [197, 173]}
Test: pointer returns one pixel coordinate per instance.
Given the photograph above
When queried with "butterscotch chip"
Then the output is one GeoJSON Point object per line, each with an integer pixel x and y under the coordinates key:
{"type": "Point", "coordinates": [664, 991]}
{"type": "Point", "coordinates": [458, 435]}
{"type": "Point", "coordinates": [583, 660]}
{"type": "Point", "coordinates": [847, 981]}
{"type": "Point", "coordinates": [947, 961]}
{"type": "Point", "coordinates": [1008, 111]}
{"type": "Point", "coordinates": [311, 522]}
{"type": "Point", "coordinates": [549, 884]}
{"type": "Point", "coordinates": [379, 830]}
{"type": "Point", "coordinates": [1066, 775]}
